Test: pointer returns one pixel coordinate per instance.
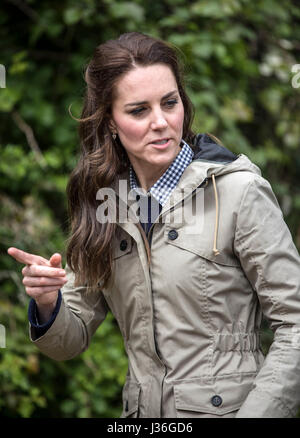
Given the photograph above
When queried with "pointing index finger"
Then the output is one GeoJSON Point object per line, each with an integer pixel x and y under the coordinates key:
{"type": "Point", "coordinates": [26, 257]}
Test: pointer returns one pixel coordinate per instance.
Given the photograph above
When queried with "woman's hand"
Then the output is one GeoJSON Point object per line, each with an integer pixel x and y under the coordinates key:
{"type": "Point", "coordinates": [42, 279]}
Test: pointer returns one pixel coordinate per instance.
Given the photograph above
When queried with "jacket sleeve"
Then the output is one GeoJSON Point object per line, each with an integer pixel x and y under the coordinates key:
{"type": "Point", "coordinates": [40, 329]}
{"type": "Point", "coordinates": [79, 315]}
{"type": "Point", "coordinates": [271, 263]}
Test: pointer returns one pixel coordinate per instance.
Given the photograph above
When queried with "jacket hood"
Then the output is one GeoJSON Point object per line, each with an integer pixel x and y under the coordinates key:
{"type": "Point", "coordinates": [206, 148]}
{"type": "Point", "coordinates": [216, 160]}
{"type": "Point", "coordinates": [219, 160]}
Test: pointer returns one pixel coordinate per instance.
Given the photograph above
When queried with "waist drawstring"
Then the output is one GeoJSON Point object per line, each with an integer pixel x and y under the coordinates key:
{"type": "Point", "coordinates": [215, 249]}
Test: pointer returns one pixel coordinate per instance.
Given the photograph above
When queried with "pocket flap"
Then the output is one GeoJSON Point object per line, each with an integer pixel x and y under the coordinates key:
{"type": "Point", "coordinates": [202, 245]}
{"type": "Point", "coordinates": [131, 395]}
{"type": "Point", "coordinates": [222, 397]}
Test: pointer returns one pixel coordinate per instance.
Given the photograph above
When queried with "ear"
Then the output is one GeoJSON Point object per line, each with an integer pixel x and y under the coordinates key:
{"type": "Point", "coordinates": [112, 126]}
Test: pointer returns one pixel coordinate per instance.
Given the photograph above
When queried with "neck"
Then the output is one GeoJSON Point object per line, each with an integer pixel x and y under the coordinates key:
{"type": "Point", "coordinates": [147, 180]}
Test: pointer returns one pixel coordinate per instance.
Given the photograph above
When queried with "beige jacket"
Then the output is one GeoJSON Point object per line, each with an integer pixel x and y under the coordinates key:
{"type": "Point", "coordinates": [189, 300]}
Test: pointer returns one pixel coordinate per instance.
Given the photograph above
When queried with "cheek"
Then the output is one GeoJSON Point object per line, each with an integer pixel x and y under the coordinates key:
{"type": "Point", "coordinates": [131, 130]}
{"type": "Point", "coordinates": [178, 119]}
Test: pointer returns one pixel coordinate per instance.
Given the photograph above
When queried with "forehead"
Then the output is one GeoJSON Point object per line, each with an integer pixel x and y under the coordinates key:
{"type": "Point", "coordinates": [145, 83]}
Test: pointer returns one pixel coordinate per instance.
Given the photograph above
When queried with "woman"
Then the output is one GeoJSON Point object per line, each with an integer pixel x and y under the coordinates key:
{"type": "Point", "coordinates": [188, 295]}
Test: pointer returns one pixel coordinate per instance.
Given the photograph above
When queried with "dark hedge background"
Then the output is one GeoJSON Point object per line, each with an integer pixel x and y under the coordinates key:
{"type": "Point", "coordinates": [238, 56]}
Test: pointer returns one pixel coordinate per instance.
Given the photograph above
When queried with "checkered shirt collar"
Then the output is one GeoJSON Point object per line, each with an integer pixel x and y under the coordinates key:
{"type": "Point", "coordinates": [162, 189]}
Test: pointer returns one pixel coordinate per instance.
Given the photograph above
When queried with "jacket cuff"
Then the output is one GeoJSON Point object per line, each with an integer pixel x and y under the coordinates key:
{"type": "Point", "coordinates": [260, 404]}
{"type": "Point", "coordinates": [41, 329]}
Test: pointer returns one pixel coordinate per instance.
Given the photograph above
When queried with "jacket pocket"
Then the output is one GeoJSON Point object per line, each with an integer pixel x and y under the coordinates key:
{"type": "Point", "coordinates": [131, 394]}
{"type": "Point", "coordinates": [224, 397]}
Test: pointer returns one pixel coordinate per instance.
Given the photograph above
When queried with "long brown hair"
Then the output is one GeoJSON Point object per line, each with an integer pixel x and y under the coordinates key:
{"type": "Point", "coordinates": [89, 250]}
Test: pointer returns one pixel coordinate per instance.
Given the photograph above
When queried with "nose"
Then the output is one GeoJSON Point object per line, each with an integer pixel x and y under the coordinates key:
{"type": "Point", "coordinates": [158, 120]}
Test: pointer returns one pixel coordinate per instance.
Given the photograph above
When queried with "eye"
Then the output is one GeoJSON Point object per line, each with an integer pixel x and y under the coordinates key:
{"type": "Point", "coordinates": [170, 103]}
{"type": "Point", "coordinates": [137, 111]}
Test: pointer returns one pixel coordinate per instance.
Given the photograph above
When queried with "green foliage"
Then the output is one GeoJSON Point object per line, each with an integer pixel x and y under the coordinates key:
{"type": "Point", "coordinates": [238, 56]}
{"type": "Point", "coordinates": [35, 386]}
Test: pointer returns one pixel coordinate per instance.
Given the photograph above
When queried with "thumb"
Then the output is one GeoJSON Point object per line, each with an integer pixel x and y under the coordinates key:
{"type": "Point", "coordinates": [55, 260]}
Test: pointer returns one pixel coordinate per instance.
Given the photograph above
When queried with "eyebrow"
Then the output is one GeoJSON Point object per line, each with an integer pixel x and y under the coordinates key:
{"type": "Point", "coordinates": [144, 101]}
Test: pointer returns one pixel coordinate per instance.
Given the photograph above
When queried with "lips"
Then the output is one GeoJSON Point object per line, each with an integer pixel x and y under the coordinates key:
{"type": "Point", "coordinates": [161, 144]}
{"type": "Point", "coordinates": [160, 141]}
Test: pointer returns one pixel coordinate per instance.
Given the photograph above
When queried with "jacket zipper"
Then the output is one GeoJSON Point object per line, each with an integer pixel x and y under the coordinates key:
{"type": "Point", "coordinates": [149, 239]}
{"type": "Point", "coordinates": [205, 181]}
{"type": "Point", "coordinates": [150, 232]}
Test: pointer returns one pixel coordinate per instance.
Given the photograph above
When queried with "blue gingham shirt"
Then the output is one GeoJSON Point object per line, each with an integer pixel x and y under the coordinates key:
{"type": "Point", "coordinates": [162, 189]}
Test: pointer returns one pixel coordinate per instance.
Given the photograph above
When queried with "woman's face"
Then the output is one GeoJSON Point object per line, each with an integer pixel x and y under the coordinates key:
{"type": "Point", "coordinates": [147, 114]}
